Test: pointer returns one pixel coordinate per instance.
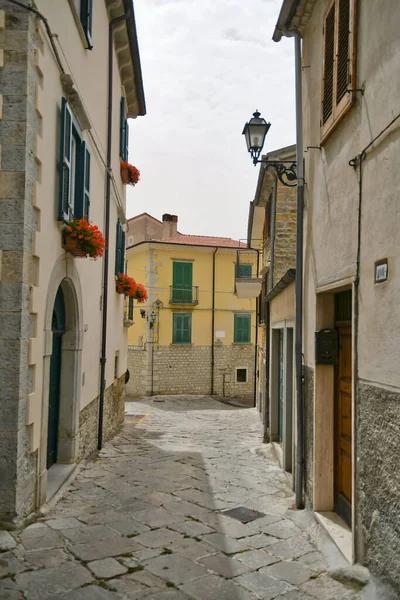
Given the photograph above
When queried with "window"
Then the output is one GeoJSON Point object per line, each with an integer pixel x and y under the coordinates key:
{"type": "Point", "coordinates": [182, 328]}
{"type": "Point", "coordinates": [241, 375]}
{"type": "Point", "coordinates": [242, 271]}
{"type": "Point", "coordinates": [74, 191]}
{"type": "Point", "coordinates": [338, 63]}
{"type": "Point", "coordinates": [123, 131]}
{"type": "Point", "coordinates": [119, 249]}
{"type": "Point", "coordinates": [242, 331]}
{"type": "Point", "coordinates": [86, 15]}
{"type": "Point", "coordinates": [182, 279]}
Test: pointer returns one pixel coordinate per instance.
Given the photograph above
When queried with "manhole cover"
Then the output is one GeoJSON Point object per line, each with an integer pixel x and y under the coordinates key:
{"type": "Point", "coordinates": [243, 514]}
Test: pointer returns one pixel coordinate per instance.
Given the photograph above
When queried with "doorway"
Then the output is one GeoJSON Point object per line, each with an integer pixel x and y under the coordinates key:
{"type": "Point", "coordinates": [58, 330]}
{"type": "Point", "coordinates": [343, 408]}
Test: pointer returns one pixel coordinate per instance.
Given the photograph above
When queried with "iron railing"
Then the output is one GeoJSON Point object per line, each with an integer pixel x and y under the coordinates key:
{"type": "Point", "coordinates": [184, 294]}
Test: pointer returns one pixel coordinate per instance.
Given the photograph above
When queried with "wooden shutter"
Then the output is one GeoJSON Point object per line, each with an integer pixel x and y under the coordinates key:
{"type": "Point", "coordinates": [329, 65]}
{"type": "Point", "coordinates": [118, 248]}
{"type": "Point", "coordinates": [182, 278]}
{"type": "Point", "coordinates": [87, 20]}
{"type": "Point", "coordinates": [242, 325]}
{"type": "Point", "coordinates": [65, 162]}
{"type": "Point", "coordinates": [122, 254]}
{"type": "Point", "coordinates": [339, 64]}
{"type": "Point", "coordinates": [86, 182]}
{"type": "Point", "coordinates": [182, 328]}
{"type": "Point", "coordinates": [123, 132]}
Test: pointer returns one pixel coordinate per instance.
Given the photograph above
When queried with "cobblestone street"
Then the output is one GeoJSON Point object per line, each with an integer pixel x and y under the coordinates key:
{"type": "Point", "coordinates": [145, 519]}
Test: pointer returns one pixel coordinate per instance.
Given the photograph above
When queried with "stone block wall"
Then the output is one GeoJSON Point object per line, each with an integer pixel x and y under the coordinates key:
{"type": "Point", "coordinates": [378, 481]}
{"type": "Point", "coordinates": [187, 370]}
{"type": "Point", "coordinates": [285, 232]}
{"type": "Point", "coordinates": [137, 365]}
{"type": "Point", "coordinates": [114, 413]}
{"type": "Point", "coordinates": [19, 170]}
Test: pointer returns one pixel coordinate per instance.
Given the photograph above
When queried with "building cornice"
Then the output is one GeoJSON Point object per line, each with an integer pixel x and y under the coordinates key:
{"type": "Point", "coordinates": [127, 50]}
{"type": "Point", "coordinates": [294, 15]}
{"type": "Point", "coordinates": [283, 283]}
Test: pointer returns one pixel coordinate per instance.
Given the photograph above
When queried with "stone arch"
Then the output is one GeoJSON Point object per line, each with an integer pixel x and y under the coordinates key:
{"type": "Point", "coordinates": [64, 275]}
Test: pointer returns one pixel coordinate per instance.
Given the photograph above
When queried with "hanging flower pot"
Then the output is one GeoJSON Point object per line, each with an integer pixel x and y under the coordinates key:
{"type": "Point", "coordinates": [129, 174]}
{"type": "Point", "coordinates": [125, 285]}
{"type": "Point", "coordinates": [82, 239]}
{"type": "Point", "coordinates": [141, 293]}
{"type": "Point", "coordinates": [73, 246]}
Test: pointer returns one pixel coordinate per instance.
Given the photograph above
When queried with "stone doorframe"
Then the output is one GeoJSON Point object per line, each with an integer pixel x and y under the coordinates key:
{"type": "Point", "coordinates": [64, 274]}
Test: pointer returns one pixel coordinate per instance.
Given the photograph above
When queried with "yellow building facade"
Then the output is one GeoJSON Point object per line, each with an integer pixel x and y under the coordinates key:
{"type": "Point", "coordinates": [193, 335]}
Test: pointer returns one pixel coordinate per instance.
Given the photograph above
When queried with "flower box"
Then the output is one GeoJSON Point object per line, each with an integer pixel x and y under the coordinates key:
{"type": "Point", "coordinates": [129, 174]}
{"type": "Point", "coordinates": [73, 246]}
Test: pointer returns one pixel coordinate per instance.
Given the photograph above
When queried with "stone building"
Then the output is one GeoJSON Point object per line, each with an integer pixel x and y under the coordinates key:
{"type": "Point", "coordinates": [195, 335]}
{"type": "Point", "coordinates": [62, 341]}
{"type": "Point", "coordinates": [272, 230]}
{"type": "Point", "coordinates": [351, 126]}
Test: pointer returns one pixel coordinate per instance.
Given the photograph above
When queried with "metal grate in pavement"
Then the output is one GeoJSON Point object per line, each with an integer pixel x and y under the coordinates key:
{"type": "Point", "coordinates": [243, 514]}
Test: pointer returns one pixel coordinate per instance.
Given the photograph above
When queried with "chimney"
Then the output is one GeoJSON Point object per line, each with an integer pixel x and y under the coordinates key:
{"type": "Point", "coordinates": [169, 226]}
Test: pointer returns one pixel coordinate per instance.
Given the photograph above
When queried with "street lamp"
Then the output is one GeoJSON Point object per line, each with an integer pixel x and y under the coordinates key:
{"type": "Point", "coordinates": [255, 131]}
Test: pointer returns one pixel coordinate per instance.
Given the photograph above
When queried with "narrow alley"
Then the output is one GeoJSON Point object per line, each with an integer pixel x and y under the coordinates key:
{"type": "Point", "coordinates": [145, 520]}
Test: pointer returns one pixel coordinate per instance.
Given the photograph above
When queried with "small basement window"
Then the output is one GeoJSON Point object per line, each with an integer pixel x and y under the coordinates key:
{"type": "Point", "coordinates": [241, 375]}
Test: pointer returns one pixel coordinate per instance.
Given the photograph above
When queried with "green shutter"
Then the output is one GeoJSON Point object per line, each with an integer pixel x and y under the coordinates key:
{"type": "Point", "coordinates": [182, 280]}
{"type": "Point", "coordinates": [182, 328]}
{"type": "Point", "coordinates": [87, 20]}
{"type": "Point", "coordinates": [123, 131]}
{"type": "Point", "coordinates": [118, 249]}
{"type": "Point", "coordinates": [86, 182]}
{"type": "Point", "coordinates": [242, 271]}
{"type": "Point", "coordinates": [65, 162]}
{"type": "Point", "coordinates": [126, 140]}
{"type": "Point", "coordinates": [122, 254]}
{"type": "Point", "coordinates": [242, 329]}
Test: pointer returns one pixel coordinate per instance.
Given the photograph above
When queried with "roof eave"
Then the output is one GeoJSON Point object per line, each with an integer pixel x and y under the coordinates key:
{"type": "Point", "coordinates": [294, 16]}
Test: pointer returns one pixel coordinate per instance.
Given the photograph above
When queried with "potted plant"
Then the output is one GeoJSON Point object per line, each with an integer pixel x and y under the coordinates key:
{"type": "Point", "coordinates": [141, 293]}
{"type": "Point", "coordinates": [125, 285]}
{"type": "Point", "coordinates": [81, 239]}
{"type": "Point", "coordinates": [129, 174]}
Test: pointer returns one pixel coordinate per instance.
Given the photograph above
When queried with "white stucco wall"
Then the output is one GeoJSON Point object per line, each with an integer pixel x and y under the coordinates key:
{"type": "Point", "coordinates": [89, 71]}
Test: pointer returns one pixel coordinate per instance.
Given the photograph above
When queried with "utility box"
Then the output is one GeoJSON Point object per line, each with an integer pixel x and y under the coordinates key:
{"type": "Point", "coordinates": [326, 347]}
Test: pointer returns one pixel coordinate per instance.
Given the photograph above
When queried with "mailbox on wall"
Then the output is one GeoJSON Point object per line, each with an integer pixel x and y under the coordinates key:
{"type": "Point", "coordinates": [326, 347]}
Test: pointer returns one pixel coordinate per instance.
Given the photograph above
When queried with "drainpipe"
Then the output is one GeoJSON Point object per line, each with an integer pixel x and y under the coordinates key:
{"type": "Point", "coordinates": [103, 358]}
{"type": "Point", "coordinates": [273, 228]}
{"type": "Point", "coordinates": [256, 340]}
{"type": "Point", "coordinates": [213, 324]}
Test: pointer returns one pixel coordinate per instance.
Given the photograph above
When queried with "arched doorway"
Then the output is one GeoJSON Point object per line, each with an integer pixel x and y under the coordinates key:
{"type": "Point", "coordinates": [58, 329]}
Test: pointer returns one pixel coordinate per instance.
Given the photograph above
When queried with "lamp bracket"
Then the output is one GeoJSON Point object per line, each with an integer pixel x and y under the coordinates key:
{"type": "Point", "coordinates": [286, 170]}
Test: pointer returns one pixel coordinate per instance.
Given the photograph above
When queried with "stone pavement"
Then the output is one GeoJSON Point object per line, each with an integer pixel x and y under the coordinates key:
{"type": "Point", "coordinates": [145, 519]}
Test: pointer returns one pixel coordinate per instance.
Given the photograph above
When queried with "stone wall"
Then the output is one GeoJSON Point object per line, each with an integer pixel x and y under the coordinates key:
{"type": "Point", "coordinates": [19, 124]}
{"type": "Point", "coordinates": [137, 365]}
{"type": "Point", "coordinates": [187, 370]}
{"type": "Point", "coordinates": [114, 413]}
{"type": "Point", "coordinates": [308, 434]}
{"type": "Point", "coordinates": [378, 481]}
{"type": "Point", "coordinates": [285, 232]}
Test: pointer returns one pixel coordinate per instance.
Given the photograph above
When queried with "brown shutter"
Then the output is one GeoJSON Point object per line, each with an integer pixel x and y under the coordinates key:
{"type": "Point", "coordinates": [343, 50]}
{"type": "Point", "coordinates": [329, 61]}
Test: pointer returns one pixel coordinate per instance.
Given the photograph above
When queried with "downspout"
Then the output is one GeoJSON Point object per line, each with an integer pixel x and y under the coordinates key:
{"type": "Point", "coordinates": [256, 340]}
{"type": "Point", "coordinates": [273, 228]}
{"type": "Point", "coordinates": [299, 272]}
{"type": "Point", "coordinates": [213, 324]}
{"type": "Point", "coordinates": [103, 358]}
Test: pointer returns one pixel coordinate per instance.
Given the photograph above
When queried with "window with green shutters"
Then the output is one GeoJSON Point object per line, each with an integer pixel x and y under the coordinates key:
{"type": "Point", "coordinates": [182, 279]}
{"type": "Point", "coordinates": [242, 329]}
{"type": "Point", "coordinates": [87, 21]}
{"type": "Point", "coordinates": [182, 328]}
{"type": "Point", "coordinates": [74, 169]}
{"type": "Point", "coordinates": [123, 131]}
{"type": "Point", "coordinates": [242, 271]}
{"type": "Point", "coordinates": [119, 249]}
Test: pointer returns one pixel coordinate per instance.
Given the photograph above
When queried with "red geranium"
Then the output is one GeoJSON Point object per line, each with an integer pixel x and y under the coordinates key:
{"type": "Point", "coordinates": [141, 293]}
{"type": "Point", "coordinates": [126, 285]}
{"type": "Point", "coordinates": [89, 236]}
{"type": "Point", "coordinates": [132, 173]}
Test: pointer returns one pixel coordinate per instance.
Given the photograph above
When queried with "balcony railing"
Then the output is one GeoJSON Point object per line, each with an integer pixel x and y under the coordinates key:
{"type": "Point", "coordinates": [184, 295]}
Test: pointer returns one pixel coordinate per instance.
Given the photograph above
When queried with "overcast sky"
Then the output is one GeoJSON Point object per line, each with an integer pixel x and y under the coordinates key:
{"type": "Point", "coordinates": [207, 66]}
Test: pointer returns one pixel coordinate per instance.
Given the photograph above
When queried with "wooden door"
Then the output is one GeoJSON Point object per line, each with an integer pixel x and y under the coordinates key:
{"type": "Point", "coordinates": [58, 329]}
{"type": "Point", "coordinates": [343, 427]}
